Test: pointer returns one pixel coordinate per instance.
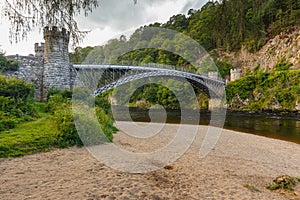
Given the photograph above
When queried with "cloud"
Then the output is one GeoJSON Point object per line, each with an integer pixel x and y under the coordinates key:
{"type": "Point", "coordinates": [111, 18]}
{"type": "Point", "coordinates": [193, 4]}
{"type": "Point", "coordinates": [124, 15]}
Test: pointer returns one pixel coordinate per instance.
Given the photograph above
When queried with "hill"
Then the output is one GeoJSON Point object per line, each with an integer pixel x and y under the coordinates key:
{"type": "Point", "coordinates": [256, 36]}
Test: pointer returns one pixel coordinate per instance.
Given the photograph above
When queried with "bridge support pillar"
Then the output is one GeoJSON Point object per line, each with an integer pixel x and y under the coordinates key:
{"type": "Point", "coordinates": [215, 104]}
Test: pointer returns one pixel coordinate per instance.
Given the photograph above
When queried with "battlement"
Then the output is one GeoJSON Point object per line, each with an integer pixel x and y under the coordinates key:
{"type": "Point", "coordinates": [39, 49]}
{"type": "Point", "coordinates": [56, 33]}
{"type": "Point", "coordinates": [235, 74]}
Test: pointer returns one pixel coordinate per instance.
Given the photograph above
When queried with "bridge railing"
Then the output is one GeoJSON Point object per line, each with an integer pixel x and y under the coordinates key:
{"type": "Point", "coordinates": [212, 74]}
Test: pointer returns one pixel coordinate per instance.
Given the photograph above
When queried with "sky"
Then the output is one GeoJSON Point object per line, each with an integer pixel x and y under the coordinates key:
{"type": "Point", "coordinates": [111, 19]}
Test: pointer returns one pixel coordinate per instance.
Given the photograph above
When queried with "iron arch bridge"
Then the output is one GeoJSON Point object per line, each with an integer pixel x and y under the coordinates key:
{"type": "Point", "coordinates": [106, 77]}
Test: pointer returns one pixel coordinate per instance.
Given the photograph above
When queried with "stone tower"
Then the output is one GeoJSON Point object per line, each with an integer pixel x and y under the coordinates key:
{"type": "Point", "coordinates": [39, 50]}
{"type": "Point", "coordinates": [56, 59]}
{"type": "Point", "coordinates": [235, 74]}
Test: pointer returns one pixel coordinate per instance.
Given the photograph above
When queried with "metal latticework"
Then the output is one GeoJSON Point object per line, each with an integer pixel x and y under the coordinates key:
{"type": "Point", "coordinates": [101, 78]}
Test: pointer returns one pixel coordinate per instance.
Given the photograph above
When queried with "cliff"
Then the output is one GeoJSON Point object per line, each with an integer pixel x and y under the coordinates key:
{"type": "Point", "coordinates": [284, 47]}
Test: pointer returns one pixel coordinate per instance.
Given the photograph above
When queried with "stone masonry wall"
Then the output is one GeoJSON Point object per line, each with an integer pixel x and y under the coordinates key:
{"type": "Point", "coordinates": [56, 59]}
{"type": "Point", "coordinates": [31, 71]}
{"type": "Point", "coordinates": [50, 66]}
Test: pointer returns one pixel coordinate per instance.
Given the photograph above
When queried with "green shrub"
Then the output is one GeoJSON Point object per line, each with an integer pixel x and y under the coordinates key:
{"type": "Point", "coordinates": [242, 87]}
{"type": "Point", "coordinates": [8, 65]}
{"type": "Point", "coordinates": [16, 102]}
{"type": "Point", "coordinates": [66, 94]}
{"type": "Point", "coordinates": [8, 123]}
{"type": "Point", "coordinates": [67, 134]}
{"type": "Point", "coordinates": [282, 64]}
{"type": "Point", "coordinates": [56, 102]}
{"type": "Point", "coordinates": [93, 130]}
{"type": "Point", "coordinates": [106, 122]}
{"type": "Point", "coordinates": [284, 182]}
{"type": "Point", "coordinates": [283, 85]}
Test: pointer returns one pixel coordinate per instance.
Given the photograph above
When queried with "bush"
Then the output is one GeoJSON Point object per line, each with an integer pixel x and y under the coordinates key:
{"type": "Point", "coordinates": [242, 87]}
{"type": "Point", "coordinates": [263, 88]}
{"type": "Point", "coordinates": [282, 64]}
{"type": "Point", "coordinates": [7, 123]}
{"type": "Point", "coordinates": [57, 102]}
{"type": "Point", "coordinates": [284, 182]}
{"type": "Point", "coordinates": [16, 102]}
{"type": "Point", "coordinates": [92, 130]}
{"type": "Point", "coordinates": [8, 65]}
{"type": "Point", "coordinates": [106, 123]}
{"type": "Point", "coordinates": [67, 133]}
{"type": "Point", "coordinates": [66, 94]}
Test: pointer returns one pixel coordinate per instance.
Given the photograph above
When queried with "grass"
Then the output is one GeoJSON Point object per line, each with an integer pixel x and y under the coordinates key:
{"type": "Point", "coordinates": [251, 187]}
{"type": "Point", "coordinates": [43, 134]}
{"type": "Point", "coordinates": [28, 138]}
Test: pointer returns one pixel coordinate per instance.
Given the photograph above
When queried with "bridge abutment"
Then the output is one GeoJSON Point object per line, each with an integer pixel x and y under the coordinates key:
{"type": "Point", "coordinates": [214, 104]}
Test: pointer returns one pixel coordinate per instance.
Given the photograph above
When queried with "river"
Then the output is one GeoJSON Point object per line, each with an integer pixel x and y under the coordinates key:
{"type": "Point", "coordinates": [283, 127]}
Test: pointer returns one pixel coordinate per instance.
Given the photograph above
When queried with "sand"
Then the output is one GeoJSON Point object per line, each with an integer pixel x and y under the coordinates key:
{"type": "Point", "coordinates": [237, 159]}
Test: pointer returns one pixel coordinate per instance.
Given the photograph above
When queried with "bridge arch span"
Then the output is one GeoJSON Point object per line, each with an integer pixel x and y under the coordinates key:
{"type": "Point", "coordinates": [213, 88]}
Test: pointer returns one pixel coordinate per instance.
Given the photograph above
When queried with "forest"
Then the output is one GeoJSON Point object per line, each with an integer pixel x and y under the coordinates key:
{"type": "Point", "coordinates": [225, 26]}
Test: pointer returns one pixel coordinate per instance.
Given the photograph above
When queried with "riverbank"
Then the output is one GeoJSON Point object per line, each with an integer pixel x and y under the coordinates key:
{"type": "Point", "coordinates": [284, 127]}
{"type": "Point", "coordinates": [238, 160]}
{"type": "Point", "coordinates": [286, 113]}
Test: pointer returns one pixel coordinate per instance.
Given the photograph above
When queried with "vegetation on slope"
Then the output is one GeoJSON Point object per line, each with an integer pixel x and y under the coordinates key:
{"type": "Point", "coordinates": [226, 25]}
{"type": "Point", "coordinates": [276, 90]}
{"type": "Point", "coordinates": [16, 101]}
{"type": "Point", "coordinates": [28, 127]}
{"type": "Point", "coordinates": [8, 65]}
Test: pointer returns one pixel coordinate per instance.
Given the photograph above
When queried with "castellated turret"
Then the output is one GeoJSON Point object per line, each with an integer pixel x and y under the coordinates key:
{"type": "Point", "coordinates": [39, 50]}
{"type": "Point", "coordinates": [56, 58]}
{"type": "Point", "coordinates": [235, 74]}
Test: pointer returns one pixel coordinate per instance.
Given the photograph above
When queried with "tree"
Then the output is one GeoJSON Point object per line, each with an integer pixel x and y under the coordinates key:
{"type": "Point", "coordinates": [25, 16]}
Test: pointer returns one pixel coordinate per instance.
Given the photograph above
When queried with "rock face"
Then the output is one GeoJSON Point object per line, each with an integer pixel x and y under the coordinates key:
{"type": "Point", "coordinates": [286, 45]}
{"type": "Point", "coordinates": [56, 59]}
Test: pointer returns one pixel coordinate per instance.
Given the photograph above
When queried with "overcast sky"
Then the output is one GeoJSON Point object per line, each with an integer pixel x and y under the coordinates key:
{"type": "Point", "coordinates": [112, 18]}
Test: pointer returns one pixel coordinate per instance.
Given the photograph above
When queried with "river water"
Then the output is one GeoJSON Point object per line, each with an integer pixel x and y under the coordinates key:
{"type": "Point", "coordinates": [283, 127]}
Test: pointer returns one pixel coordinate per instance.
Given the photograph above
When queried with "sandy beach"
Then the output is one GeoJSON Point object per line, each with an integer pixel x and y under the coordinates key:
{"type": "Point", "coordinates": [237, 160]}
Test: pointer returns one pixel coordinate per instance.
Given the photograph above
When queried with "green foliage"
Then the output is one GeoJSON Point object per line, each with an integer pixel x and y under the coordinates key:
{"type": "Point", "coordinates": [224, 68]}
{"type": "Point", "coordinates": [16, 88]}
{"type": "Point", "coordinates": [262, 88]}
{"type": "Point", "coordinates": [226, 25]}
{"type": "Point", "coordinates": [163, 93]}
{"type": "Point", "coordinates": [66, 94]}
{"type": "Point", "coordinates": [16, 102]}
{"type": "Point", "coordinates": [284, 182]}
{"type": "Point", "coordinates": [251, 187]}
{"type": "Point", "coordinates": [8, 123]}
{"type": "Point", "coordinates": [28, 138]}
{"type": "Point", "coordinates": [8, 65]}
{"type": "Point", "coordinates": [79, 55]}
{"type": "Point", "coordinates": [60, 105]}
{"type": "Point", "coordinates": [67, 134]}
{"type": "Point", "coordinates": [242, 87]}
{"type": "Point", "coordinates": [102, 102]}
{"type": "Point", "coordinates": [282, 64]}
